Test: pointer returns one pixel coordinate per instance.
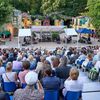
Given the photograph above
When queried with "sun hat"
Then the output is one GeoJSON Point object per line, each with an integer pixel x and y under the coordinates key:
{"type": "Point", "coordinates": [31, 78]}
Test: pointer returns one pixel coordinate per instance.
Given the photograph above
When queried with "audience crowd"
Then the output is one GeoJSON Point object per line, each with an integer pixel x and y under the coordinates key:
{"type": "Point", "coordinates": [40, 70]}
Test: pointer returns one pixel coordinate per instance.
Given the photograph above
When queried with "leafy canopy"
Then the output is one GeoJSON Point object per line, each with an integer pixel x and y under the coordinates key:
{"type": "Point", "coordinates": [5, 11]}
{"type": "Point", "coordinates": [94, 12]}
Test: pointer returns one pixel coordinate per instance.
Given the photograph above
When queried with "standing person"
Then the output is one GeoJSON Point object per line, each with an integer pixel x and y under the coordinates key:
{"type": "Point", "coordinates": [73, 83]}
{"type": "Point", "coordinates": [29, 92]}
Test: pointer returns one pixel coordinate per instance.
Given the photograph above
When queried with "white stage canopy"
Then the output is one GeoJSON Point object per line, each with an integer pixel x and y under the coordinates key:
{"type": "Point", "coordinates": [70, 31]}
{"type": "Point", "coordinates": [24, 32]}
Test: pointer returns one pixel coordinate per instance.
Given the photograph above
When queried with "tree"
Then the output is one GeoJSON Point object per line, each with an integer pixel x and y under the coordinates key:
{"type": "Point", "coordinates": [66, 7]}
{"type": "Point", "coordinates": [31, 6]}
{"type": "Point", "coordinates": [47, 6]}
{"type": "Point", "coordinates": [94, 13]}
{"type": "Point", "coordinates": [35, 6]}
{"type": "Point", "coordinates": [5, 11]}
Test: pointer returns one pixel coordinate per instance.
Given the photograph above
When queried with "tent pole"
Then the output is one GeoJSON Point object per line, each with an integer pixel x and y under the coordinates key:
{"type": "Point", "coordinates": [77, 40]}
{"type": "Point", "coordinates": [18, 43]}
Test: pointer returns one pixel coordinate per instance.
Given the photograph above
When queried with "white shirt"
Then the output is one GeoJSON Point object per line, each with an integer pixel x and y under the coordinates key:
{"type": "Point", "coordinates": [10, 75]}
{"type": "Point", "coordinates": [72, 85]}
{"type": "Point", "coordinates": [2, 70]}
{"type": "Point", "coordinates": [85, 63]}
{"type": "Point", "coordinates": [97, 65]}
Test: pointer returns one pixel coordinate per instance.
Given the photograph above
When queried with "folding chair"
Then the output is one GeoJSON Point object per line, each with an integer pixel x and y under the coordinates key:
{"type": "Point", "coordinates": [51, 95]}
{"type": "Point", "coordinates": [9, 86]}
{"type": "Point", "coordinates": [71, 95]}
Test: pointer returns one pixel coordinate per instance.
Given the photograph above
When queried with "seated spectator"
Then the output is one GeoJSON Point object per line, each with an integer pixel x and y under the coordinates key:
{"type": "Point", "coordinates": [11, 55]}
{"type": "Point", "coordinates": [73, 83]}
{"type": "Point", "coordinates": [26, 66]}
{"type": "Point", "coordinates": [29, 92]}
{"type": "Point", "coordinates": [50, 82]}
{"type": "Point", "coordinates": [17, 65]}
{"type": "Point", "coordinates": [32, 61]}
{"type": "Point", "coordinates": [87, 64]}
{"type": "Point", "coordinates": [97, 65]}
{"type": "Point", "coordinates": [55, 63]}
{"type": "Point", "coordinates": [81, 58]}
{"type": "Point", "coordinates": [2, 69]}
{"type": "Point", "coordinates": [73, 57]}
{"type": "Point", "coordinates": [41, 73]}
{"type": "Point", "coordinates": [3, 95]}
{"type": "Point", "coordinates": [62, 71]}
{"type": "Point", "coordinates": [69, 52]}
{"type": "Point", "coordinates": [37, 55]}
{"type": "Point", "coordinates": [59, 52]}
{"type": "Point", "coordinates": [4, 60]}
{"type": "Point", "coordinates": [96, 57]}
{"type": "Point", "coordinates": [40, 64]}
{"type": "Point", "coordinates": [9, 76]}
{"type": "Point", "coordinates": [49, 56]}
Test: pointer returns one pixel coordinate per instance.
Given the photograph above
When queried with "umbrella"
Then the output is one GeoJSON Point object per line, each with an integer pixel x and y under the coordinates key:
{"type": "Point", "coordinates": [85, 30]}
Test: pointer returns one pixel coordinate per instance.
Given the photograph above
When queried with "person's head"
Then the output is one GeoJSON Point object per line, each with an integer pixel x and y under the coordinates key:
{"type": "Point", "coordinates": [31, 78]}
{"type": "Point", "coordinates": [26, 65]}
{"type": "Point", "coordinates": [42, 59]}
{"type": "Point", "coordinates": [9, 67]}
{"type": "Point", "coordinates": [19, 58]}
{"type": "Point", "coordinates": [49, 53]}
{"type": "Point", "coordinates": [89, 56]}
{"type": "Point", "coordinates": [46, 66]}
{"type": "Point", "coordinates": [30, 57]}
{"type": "Point", "coordinates": [1, 62]}
{"type": "Point", "coordinates": [4, 58]}
{"type": "Point", "coordinates": [47, 71]}
{"type": "Point", "coordinates": [84, 52]}
{"type": "Point", "coordinates": [55, 62]}
{"type": "Point", "coordinates": [63, 61]}
{"type": "Point", "coordinates": [74, 73]}
{"type": "Point", "coordinates": [46, 62]}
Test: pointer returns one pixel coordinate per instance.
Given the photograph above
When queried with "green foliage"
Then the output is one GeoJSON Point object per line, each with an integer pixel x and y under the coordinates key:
{"type": "Point", "coordinates": [5, 11]}
{"type": "Point", "coordinates": [31, 6]}
{"type": "Point", "coordinates": [56, 9]}
{"type": "Point", "coordinates": [94, 13]}
{"type": "Point", "coordinates": [63, 7]}
{"type": "Point", "coordinates": [55, 35]}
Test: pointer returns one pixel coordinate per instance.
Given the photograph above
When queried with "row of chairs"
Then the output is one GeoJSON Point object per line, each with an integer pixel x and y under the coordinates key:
{"type": "Point", "coordinates": [10, 87]}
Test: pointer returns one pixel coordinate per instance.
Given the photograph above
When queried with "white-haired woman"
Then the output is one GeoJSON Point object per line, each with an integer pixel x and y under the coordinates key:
{"type": "Point", "coordinates": [29, 92]}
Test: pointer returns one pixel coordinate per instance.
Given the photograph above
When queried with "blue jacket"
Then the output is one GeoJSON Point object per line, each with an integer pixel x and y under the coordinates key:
{"type": "Point", "coordinates": [51, 83]}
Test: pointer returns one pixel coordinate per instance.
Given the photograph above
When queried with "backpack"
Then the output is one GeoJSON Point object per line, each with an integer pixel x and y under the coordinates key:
{"type": "Point", "coordinates": [93, 74]}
